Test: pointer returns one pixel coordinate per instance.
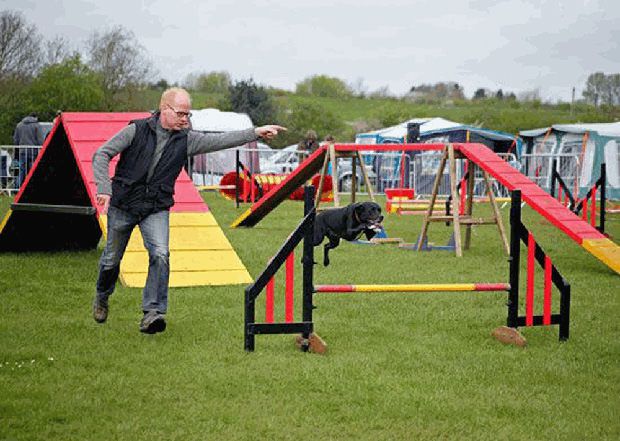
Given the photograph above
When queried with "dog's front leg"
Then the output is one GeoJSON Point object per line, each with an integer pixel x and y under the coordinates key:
{"type": "Point", "coordinates": [370, 233]}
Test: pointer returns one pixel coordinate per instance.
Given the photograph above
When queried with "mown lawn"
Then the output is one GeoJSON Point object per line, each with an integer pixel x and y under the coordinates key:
{"type": "Point", "coordinates": [399, 366]}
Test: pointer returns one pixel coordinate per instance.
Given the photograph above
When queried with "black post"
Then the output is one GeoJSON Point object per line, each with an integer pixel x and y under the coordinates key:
{"type": "Point", "coordinates": [237, 178]}
{"type": "Point", "coordinates": [308, 260]}
{"type": "Point", "coordinates": [413, 132]}
{"type": "Point", "coordinates": [564, 310]}
{"type": "Point", "coordinates": [514, 259]}
{"type": "Point", "coordinates": [249, 317]}
{"type": "Point", "coordinates": [603, 178]}
{"type": "Point", "coordinates": [553, 178]}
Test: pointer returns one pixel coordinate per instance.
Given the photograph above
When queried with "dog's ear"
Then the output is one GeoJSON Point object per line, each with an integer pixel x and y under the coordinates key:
{"type": "Point", "coordinates": [358, 208]}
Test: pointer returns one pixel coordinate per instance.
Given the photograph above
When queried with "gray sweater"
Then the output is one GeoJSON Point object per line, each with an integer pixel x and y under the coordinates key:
{"type": "Point", "coordinates": [197, 142]}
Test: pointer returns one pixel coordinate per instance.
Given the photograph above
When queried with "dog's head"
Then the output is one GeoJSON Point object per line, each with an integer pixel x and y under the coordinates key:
{"type": "Point", "coordinates": [369, 214]}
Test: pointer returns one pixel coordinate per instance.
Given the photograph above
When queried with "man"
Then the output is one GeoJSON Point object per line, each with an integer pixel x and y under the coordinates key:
{"type": "Point", "coordinates": [307, 146]}
{"type": "Point", "coordinates": [27, 133]}
{"type": "Point", "coordinates": [153, 151]}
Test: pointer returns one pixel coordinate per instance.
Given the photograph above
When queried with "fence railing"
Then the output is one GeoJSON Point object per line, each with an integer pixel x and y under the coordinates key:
{"type": "Point", "coordinates": [385, 170]}
{"type": "Point", "coordinates": [538, 167]}
{"type": "Point", "coordinates": [15, 163]}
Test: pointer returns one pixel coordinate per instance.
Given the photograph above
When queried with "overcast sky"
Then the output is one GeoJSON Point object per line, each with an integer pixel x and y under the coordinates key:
{"type": "Point", "coordinates": [513, 45]}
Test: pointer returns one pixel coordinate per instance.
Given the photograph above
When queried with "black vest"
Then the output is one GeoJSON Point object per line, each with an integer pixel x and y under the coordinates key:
{"type": "Point", "coordinates": [130, 190]}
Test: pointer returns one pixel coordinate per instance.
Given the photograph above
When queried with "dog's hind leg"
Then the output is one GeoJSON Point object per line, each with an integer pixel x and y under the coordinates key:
{"type": "Point", "coordinates": [333, 243]}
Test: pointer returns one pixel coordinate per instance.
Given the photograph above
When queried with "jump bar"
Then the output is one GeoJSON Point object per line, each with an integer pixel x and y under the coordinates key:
{"type": "Point", "coordinates": [450, 287]}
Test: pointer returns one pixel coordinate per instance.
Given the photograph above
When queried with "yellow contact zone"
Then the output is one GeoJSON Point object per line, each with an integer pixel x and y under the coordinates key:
{"type": "Point", "coordinates": [6, 219]}
{"type": "Point", "coordinates": [605, 250]}
{"type": "Point", "coordinates": [241, 218]}
{"type": "Point", "coordinates": [416, 288]}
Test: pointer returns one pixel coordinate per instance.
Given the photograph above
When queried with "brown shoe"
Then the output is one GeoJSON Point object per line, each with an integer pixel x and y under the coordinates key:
{"type": "Point", "coordinates": [152, 322]}
{"type": "Point", "coordinates": [100, 309]}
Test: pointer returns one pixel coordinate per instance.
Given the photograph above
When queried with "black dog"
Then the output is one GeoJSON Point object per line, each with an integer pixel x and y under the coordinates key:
{"type": "Point", "coordinates": [346, 223]}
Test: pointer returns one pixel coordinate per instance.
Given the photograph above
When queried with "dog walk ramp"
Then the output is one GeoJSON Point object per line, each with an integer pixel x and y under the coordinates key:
{"type": "Point", "coordinates": [561, 217]}
{"type": "Point", "coordinates": [56, 210]}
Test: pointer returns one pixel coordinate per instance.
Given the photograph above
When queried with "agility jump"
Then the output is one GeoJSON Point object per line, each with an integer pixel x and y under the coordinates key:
{"type": "Point", "coordinates": [305, 327]}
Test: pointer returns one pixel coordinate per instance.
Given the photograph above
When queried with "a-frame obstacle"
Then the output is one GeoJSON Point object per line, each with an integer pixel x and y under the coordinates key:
{"type": "Point", "coordinates": [55, 210]}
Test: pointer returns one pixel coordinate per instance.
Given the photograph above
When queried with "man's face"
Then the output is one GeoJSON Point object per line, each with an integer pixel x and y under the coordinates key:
{"type": "Point", "coordinates": [175, 114]}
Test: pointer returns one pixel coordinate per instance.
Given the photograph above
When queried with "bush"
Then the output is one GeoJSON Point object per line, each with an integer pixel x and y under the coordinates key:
{"type": "Point", "coordinates": [67, 86]}
{"type": "Point", "coordinates": [301, 117]}
{"type": "Point", "coordinates": [324, 86]}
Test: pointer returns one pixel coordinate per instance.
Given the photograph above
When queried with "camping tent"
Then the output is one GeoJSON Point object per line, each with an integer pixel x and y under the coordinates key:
{"type": "Point", "coordinates": [209, 168]}
{"type": "Point", "coordinates": [422, 165]}
{"type": "Point", "coordinates": [579, 150]}
{"type": "Point", "coordinates": [442, 130]}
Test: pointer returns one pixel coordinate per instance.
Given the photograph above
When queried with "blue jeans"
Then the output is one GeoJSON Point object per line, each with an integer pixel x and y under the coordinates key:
{"type": "Point", "coordinates": [155, 233]}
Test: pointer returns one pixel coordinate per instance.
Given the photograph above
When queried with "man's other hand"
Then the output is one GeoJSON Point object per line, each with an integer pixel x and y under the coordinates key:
{"type": "Point", "coordinates": [269, 131]}
{"type": "Point", "coordinates": [103, 200]}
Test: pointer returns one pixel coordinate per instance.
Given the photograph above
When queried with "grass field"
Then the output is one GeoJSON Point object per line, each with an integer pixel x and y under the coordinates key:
{"type": "Point", "coordinates": [399, 366]}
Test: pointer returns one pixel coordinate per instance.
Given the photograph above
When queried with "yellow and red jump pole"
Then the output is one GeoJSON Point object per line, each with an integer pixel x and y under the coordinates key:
{"type": "Point", "coordinates": [430, 287]}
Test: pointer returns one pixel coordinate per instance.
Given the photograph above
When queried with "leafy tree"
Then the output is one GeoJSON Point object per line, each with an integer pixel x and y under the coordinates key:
{"type": "Point", "coordinates": [14, 105]}
{"type": "Point", "coordinates": [247, 97]}
{"type": "Point", "coordinates": [303, 116]}
{"type": "Point", "coordinates": [480, 94]}
{"type": "Point", "coordinates": [602, 89]}
{"type": "Point", "coordinates": [20, 48]}
{"type": "Point", "coordinates": [67, 86]}
{"type": "Point", "coordinates": [323, 86]}
{"type": "Point", "coordinates": [595, 88]}
{"type": "Point", "coordinates": [441, 91]}
{"type": "Point", "coordinates": [614, 86]}
{"type": "Point", "coordinates": [216, 83]}
{"type": "Point", "coordinates": [162, 84]}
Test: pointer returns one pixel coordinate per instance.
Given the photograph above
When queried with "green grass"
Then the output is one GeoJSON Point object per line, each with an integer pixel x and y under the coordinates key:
{"type": "Point", "coordinates": [399, 366]}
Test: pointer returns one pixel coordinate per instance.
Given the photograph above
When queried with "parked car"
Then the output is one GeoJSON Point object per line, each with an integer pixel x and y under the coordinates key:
{"type": "Point", "coordinates": [286, 160]}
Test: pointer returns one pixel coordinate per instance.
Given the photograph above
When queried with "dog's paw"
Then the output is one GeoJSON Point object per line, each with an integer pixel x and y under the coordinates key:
{"type": "Point", "coordinates": [325, 262]}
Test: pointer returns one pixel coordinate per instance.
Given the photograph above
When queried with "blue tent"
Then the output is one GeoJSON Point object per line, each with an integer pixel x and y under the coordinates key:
{"type": "Point", "coordinates": [443, 130]}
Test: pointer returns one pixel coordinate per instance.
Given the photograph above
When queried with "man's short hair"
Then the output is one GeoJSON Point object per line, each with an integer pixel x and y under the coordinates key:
{"type": "Point", "coordinates": [169, 95]}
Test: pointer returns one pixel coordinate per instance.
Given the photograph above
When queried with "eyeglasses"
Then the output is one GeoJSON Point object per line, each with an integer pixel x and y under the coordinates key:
{"type": "Point", "coordinates": [180, 114]}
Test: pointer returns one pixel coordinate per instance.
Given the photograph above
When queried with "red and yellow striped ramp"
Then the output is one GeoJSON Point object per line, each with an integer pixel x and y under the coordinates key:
{"type": "Point", "coordinates": [568, 222]}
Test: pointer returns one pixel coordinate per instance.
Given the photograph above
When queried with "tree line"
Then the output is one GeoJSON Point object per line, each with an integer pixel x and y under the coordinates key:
{"type": "Point", "coordinates": [112, 72]}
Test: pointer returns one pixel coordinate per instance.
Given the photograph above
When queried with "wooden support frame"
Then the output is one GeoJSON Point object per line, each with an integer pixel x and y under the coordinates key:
{"type": "Point", "coordinates": [456, 218]}
{"type": "Point", "coordinates": [332, 156]}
